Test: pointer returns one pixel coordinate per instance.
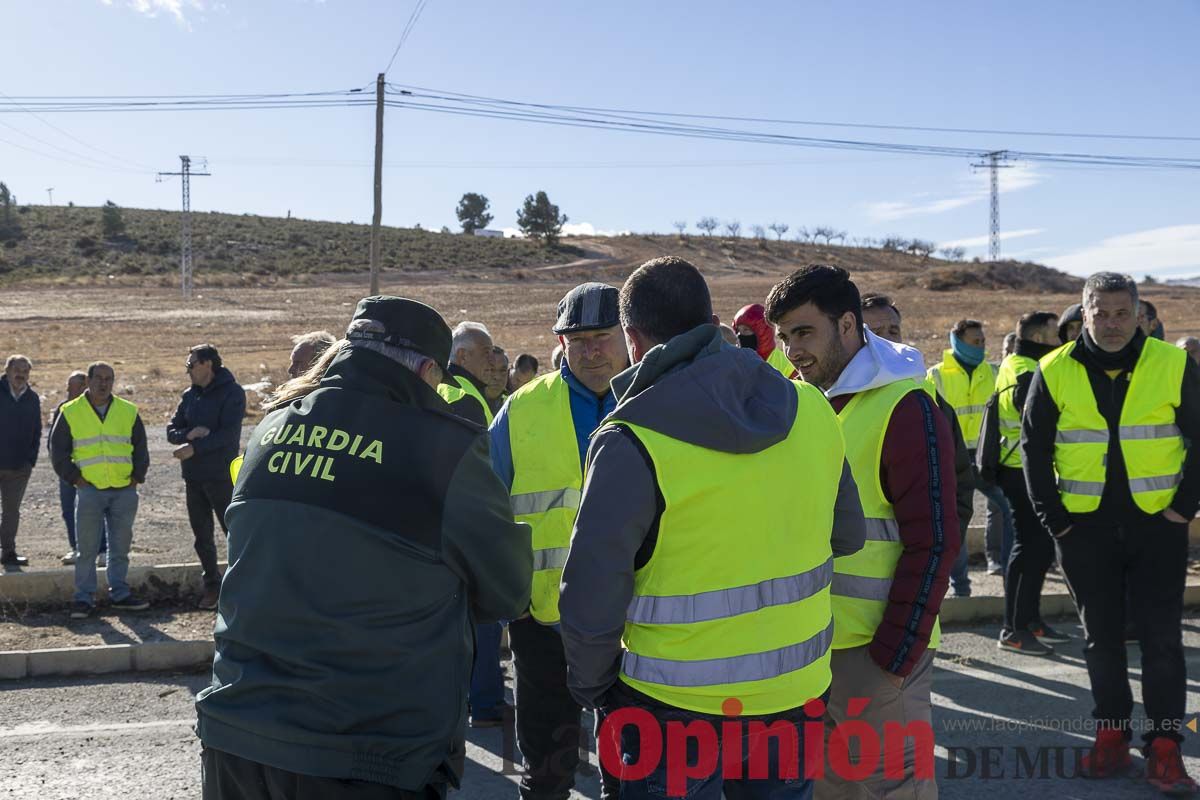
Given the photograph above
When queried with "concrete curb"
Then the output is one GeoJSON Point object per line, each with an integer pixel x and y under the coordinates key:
{"type": "Point", "coordinates": [17, 664]}
{"type": "Point", "coordinates": [981, 609]}
{"type": "Point", "coordinates": [55, 586]}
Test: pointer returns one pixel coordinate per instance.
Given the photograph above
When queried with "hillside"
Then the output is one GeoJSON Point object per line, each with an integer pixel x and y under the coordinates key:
{"type": "Point", "coordinates": [65, 245]}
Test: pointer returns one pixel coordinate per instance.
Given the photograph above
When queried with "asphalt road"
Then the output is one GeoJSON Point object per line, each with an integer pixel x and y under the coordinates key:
{"type": "Point", "coordinates": [1000, 716]}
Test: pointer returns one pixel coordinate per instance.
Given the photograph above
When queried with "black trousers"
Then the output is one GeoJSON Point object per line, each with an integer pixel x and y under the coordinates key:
{"type": "Point", "coordinates": [1032, 555]}
{"type": "Point", "coordinates": [1149, 561]}
{"type": "Point", "coordinates": [549, 732]}
{"type": "Point", "coordinates": [229, 777]}
{"type": "Point", "coordinates": [205, 498]}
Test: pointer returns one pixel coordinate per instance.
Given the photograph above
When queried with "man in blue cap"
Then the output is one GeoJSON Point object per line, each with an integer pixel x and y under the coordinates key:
{"type": "Point", "coordinates": [539, 442]}
{"type": "Point", "coordinates": [349, 682]}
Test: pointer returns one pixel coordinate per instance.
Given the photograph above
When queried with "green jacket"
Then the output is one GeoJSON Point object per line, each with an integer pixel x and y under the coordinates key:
{"type": "Point", "coordinates": [367, 534]}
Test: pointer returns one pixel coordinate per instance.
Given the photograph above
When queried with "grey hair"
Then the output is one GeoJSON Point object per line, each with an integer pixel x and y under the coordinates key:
{"type": "Point", "coordinates": [1108, 282]}
{"type": "Point", "coordinates": [406, 357]}
{"type": "Point", "coordinates": [77, 374]}
{"type": "Point", "coordinates": [464, 333]}
{"type": "Point", "coordinates": [17, 358]}
{"type": "Point", "coordinates": [1186, 341]}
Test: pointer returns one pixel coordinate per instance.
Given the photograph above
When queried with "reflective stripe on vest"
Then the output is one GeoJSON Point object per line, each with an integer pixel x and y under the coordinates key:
{"type": "Point", "coordinates": [715, 616]}
{"type": "Point", "coordinates": [452, 394]}
{"type": "Point", "coordinates": [862, 581]}
{"type": "Point", "coordinates": [1009, 416]}
{"type": "Point", "coordinates": [102, 450]}
{"type": "Point", "coordinates": [547, 481]}
{"type": "Point", "coordinates": [1150, 440]}
{"type": "Point", "coordinates": [966, 394]}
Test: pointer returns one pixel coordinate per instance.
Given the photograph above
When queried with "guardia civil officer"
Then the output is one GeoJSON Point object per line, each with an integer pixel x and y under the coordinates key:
{"type": "Point", "coordinates": [352, 682]}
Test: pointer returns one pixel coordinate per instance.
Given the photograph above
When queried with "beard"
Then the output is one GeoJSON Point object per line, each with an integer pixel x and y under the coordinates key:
{"type": "Point", "coordinates": [828, 367]}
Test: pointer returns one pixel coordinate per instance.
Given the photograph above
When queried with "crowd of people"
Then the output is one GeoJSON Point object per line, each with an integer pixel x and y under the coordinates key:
{"type": "Point", "coordinates": [624, 520]}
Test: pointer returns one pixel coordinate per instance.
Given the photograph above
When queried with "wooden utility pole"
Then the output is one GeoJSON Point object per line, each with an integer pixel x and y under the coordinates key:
{"type": "Point", "coordinates": [377, 216]}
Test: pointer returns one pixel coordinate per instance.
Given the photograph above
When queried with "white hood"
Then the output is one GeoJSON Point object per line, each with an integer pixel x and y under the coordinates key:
{"type": "Point", "coordinates": [878, 363]}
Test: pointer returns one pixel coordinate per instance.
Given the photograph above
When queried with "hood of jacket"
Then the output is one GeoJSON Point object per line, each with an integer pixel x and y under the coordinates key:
{"type": "Point", "coordinates": [700, 390]}
{"type": "Point", "coordinates": [754, 317]}
{"type": "Point", "coordinates": [1072, 313]}
{"type": "Point", "coordinates": [878, 363]}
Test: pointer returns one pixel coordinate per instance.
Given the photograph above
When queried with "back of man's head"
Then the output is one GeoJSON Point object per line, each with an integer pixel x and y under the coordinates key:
{"type": "Point", "coordinates": [665, 297]}
{"type": "Point", "coordinates": [526, 363]}
{"type": "Point", "coordinates": [827, 287]}
{"type": "Point", "coordinates": [1037, 322]}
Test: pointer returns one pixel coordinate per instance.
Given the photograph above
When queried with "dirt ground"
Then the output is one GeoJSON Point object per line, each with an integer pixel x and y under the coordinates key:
{"type": "Point", "coordinates": [145, 333]}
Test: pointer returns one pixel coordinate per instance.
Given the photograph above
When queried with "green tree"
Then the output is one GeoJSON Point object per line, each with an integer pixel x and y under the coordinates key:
{"type": "Point", "coordinates": [540, 219]}
{"type": "Point", "coordinates": [473, 212]}
{"type": "Point", "coordinates": [9, 227]}
{"type": "Point", "coordinates": [111, 222]}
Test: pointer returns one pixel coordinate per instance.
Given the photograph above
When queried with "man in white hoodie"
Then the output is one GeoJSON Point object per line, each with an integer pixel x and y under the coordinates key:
{"type": "Point", "coordinates": [901, 451]}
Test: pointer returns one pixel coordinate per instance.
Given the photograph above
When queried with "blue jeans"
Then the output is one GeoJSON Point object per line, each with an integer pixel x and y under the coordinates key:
{"type": "Point", "coordinates": [66, 499]}
{"type": "Point", "coordinates": [94, 510]}
{"type": "Point", "coordinates": [710, 787]}
{"type": "Point", "coordinates": [487, 680]}
{"type": "Point", "coordinates": [999, 516]}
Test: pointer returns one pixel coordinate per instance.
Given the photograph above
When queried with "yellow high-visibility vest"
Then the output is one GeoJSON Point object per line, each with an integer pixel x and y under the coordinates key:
{"type": "Point", "coordinates": [779, 361]}
{"type": "Point", "coordinates": [1008, 415]}
{"type": "Point", "coordinates": [862, 581]}
{"type": "Point", "coordinates": [967, 395]}
{"type": "Point", "coordinates": [103, 450]}
{"type": "Point", "coordinates": [452, 394]}
{"type": "Point", "coordinates": [718, 614]}
{"type": "Point", "coordinates": [547, 481]}
{"type": "Point", "coordinates": [1148, 436]}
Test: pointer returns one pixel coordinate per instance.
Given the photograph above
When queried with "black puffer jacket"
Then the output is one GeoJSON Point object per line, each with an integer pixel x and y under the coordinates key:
{"type": "Point", "coordinates": [220, 407]}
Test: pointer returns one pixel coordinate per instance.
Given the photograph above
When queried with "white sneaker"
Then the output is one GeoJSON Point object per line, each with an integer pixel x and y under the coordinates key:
{"type": "Point", "coordinates": [70, 558]}
{"type": "Point", "coordinates": [102, 560]}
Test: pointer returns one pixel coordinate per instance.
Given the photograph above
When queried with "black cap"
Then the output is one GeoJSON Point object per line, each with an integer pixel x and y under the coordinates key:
{"type": "Point", "coordinates": [588, 307]}
{"type": "Point", "coordinates": [406, 323]}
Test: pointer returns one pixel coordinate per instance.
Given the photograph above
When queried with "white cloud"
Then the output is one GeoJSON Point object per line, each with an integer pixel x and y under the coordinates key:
{"type": "Point", "coordinates": [980, 241]}
{"type": "Point", "coordinates": [570, 229]}
{"type": "Point", "coordinates": [152, 8]}
{"type": "Point", "coordinates": [1174, 248]}
{"type": "Point", "coordinates": [978, 188]}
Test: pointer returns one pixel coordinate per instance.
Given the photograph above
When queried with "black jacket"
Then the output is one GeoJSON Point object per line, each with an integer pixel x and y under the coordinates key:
{"type": "Point", "coordinates": [964, 468]}
{"type": "Point", "coordinates": [220, 407]}
{"type": "Point", "coordinates": [467, 407]}
{"type": "Point", "coordinates": [20, 427]}
{"type": "Point", "coordinates": [358, 669]}
{"type": "Point", "coordinates": [62, 443]}
{"type": "Point", "coordinates": [1039, 426]}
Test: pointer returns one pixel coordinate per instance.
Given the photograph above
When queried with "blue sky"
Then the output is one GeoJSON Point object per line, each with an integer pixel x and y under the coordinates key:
{"type": "Point", "coordinates": [1115, 68]}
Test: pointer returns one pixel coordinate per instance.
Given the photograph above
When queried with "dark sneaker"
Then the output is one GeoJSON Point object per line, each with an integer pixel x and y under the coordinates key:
{"type": "Point", "coordinates": [1023, 642]}
{"type": "Point", "coordinates": [1047, 634]}
{"type": "Point", "coordinates": [81, 610]}
{"type": "Point", "coordinates": [14, 560]}
{"type": "Point", "coordinates": [208, 601]}
{"type": "Point", "coordinates": [1164, 769]}
{"type": "Point", "coordinates": [130, 602]}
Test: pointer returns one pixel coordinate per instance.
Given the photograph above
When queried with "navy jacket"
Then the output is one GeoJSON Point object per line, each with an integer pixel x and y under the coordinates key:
{"type": "Point", "coordinates": [220, 407]}
{"type": "Point", "coordinates": [20, 427]}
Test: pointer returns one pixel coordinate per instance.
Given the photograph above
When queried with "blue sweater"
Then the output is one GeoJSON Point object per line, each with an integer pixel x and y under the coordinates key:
{"type": "Point", "coordinates": [587, 412]}
{"type": "Point", "coordinates": [20, 427]}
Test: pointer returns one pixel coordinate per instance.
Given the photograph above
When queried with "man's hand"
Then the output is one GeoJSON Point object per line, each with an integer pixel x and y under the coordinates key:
{"type": "Point", "coordinates": [1174, 516]}
{"type": "Point", "coordinates": [183, 452]}
{"type": "Point", "coordinates": [198, 432]}
{"type": "Point", "coordinates": [82, 482]}
{"type": "Point", "coordinates": [1064, 532]}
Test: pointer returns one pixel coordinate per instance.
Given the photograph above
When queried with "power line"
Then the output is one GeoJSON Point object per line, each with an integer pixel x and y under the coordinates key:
{"type": "Point", "coordinates": [408, 28]}
{"type": "Point", "coordinates": [52, 126]}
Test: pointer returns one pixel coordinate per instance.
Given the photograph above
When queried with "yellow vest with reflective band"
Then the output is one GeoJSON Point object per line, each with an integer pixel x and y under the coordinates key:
{"type": "Point", "coordinates": [1008, 415]}
{"type": "Point", "coordinates": [734, 601]}
{"type": "Point", "coordinates": [103, 451]}
{"type": "Point", "coordinates": [547, 481]}
{"type": "Point", "coordinates": [452, 394]}
{"type": "Point", "coordinates": [968, 395]}
{"type": "Point", "coordinates": [863, 581]}
{"type": "Point", "coordinates": [1150, 441]}
{"type": "Point", "coordinates": [779, 361]}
